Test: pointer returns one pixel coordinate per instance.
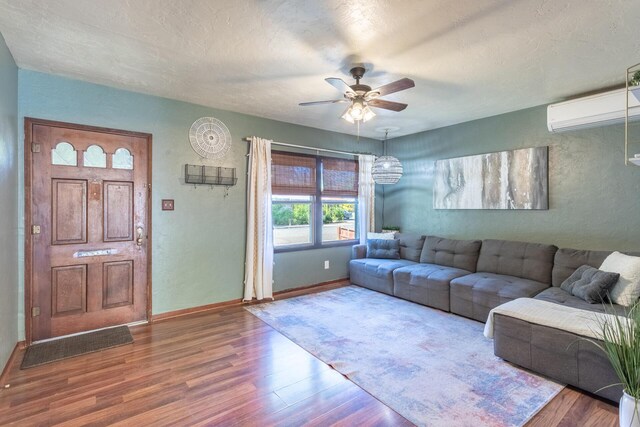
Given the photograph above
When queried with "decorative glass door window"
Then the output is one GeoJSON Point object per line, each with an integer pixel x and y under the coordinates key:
{"type": "Point", "coordinates": [64, 155]}
{"type": "Point", "coordinates": [95, 157]}
{"type": "Point", "coordinates": [122, 159]}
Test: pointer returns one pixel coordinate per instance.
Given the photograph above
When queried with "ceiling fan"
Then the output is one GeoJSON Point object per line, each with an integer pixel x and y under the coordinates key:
{"type": "Point", "coordinates": [362, 97]}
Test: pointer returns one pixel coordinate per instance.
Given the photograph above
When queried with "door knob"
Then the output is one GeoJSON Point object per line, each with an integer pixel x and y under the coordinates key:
{"type": "Point", "coordinates": [140, 232]}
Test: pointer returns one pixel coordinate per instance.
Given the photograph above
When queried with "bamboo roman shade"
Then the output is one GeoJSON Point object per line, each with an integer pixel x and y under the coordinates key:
{"type": "Point", "coordinates": [339, 177]}
{"type": "Point", "coordinates": [293, 174]}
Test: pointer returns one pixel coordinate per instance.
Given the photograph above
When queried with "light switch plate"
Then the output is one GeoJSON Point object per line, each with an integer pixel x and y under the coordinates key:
{"type": "Point", "coordinates": [167, 204]}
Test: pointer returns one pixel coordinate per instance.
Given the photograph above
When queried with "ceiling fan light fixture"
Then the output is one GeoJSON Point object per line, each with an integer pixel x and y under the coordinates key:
{"type": "Point", "coordinates": [367, 114]}
{"type": "Point", "coordinates": [358, 111]}
{"type": "Point", "coordinates": [347, 116]}
{"type": "Point", "coordinates": [360, 95]}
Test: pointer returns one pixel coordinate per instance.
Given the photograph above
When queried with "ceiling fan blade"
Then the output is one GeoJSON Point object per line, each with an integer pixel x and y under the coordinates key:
{"type": "Point", "coordinates": [387, 105]}
{"type": "Point", "coordinates": [340, 84]}
{"type": "Point", "coordinates": [393, 87]}
{"type": "Point", "coordinates": [335, 101]}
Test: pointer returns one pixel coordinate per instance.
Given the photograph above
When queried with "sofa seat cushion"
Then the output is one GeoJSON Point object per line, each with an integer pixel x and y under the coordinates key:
{"type": "Point", "coordinates": [380, 267]}
{"type": "Point", "coordinates": [428, 274]}
{"type": "Point", "coordinates": [475, 295]}
{"type": "Point", "coordinates": [374, 273]}
{"type": "Point", "coordinates": [560, 296]}
{"type": "Point", "coordinates": [426, 284]}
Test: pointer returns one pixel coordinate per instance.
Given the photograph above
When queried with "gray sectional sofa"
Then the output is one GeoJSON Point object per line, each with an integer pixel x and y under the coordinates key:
{"type": "Point", "coordinates": [471, 277]}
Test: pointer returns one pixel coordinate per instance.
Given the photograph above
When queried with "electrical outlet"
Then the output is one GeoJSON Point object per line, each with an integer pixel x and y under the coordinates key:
{"type": "Point", "coordinates": [167, 204]}
{"type": "Point", "coordinates": [326, 265]}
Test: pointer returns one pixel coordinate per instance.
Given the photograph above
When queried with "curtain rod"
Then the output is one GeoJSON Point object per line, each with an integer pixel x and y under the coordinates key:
{"type": "Point", "coordinates": [304, 147]}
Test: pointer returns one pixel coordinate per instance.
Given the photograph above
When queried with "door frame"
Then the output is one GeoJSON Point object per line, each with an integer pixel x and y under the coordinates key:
{"type": "Point", "coordinates": [29, 122]}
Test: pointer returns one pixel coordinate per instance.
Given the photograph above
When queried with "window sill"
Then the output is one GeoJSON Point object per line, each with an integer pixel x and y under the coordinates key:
{"type": "Point", "coordinates": [337, 244]}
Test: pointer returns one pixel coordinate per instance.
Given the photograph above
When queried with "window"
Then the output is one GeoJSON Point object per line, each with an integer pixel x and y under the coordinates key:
{"type": "Point", "coordinates": [339, 199]}
{"type": "Point", "coordinates": [314, 202]}
{"type": "Point", "coordinates": [292, 218]}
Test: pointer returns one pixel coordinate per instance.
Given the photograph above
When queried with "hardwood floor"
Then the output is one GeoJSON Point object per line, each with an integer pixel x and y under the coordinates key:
{"type": "Point", "coordinates": [222, 367]}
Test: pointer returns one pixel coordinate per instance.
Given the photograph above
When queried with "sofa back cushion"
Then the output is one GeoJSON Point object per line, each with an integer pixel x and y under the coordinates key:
{"type": "Point", "coordinates": [461, 254]}
{"type": "Point", "coordinates": [383, 248]}
{"type": "Point", "coordinates": [410, 246]}
{"type": "Point", "coordinates": [568, 260]}
{"type": "Point", "coordinates": [532, 261]}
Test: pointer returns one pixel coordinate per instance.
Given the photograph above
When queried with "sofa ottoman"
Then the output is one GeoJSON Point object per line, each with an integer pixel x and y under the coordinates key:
{"type": "Point", "coordinates": [559, 354]}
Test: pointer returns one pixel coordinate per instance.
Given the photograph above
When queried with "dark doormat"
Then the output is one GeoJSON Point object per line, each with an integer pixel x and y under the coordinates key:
{"type": "Point", "coordinates": [47, 352]}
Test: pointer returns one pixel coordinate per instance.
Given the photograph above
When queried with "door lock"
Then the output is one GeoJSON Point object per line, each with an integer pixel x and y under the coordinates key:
{"type": "Point", "coordinates": [139, 239]}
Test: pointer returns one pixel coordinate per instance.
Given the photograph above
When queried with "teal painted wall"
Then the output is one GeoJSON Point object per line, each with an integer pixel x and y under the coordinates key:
{"type": "Point", "coordinates": [594, 198]}
{"type": "Point", "coordinates": [198, 249]}
{"type": "Point", "coordinates": [8, 203]}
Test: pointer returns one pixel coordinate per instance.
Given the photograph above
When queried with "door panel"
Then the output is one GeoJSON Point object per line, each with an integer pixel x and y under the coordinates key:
{"type": "Point", "coordinates": [69, 290]}
{"type": "Point", "coordinates": [118, 210]}
{"type": "Point", "coordinates": [117, 284]}
{"type": "Point", "coordinates": [86, 266]}
{"type": "Point", "coordinates": [69, 210]}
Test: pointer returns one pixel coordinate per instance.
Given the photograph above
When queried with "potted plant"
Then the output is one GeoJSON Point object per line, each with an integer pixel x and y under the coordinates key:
{"type": "Point", "coordinates": [390, 229]}
{"type": "Point", "coordinates": [635, 79]}
{"type": "Point", "coordinates": [621, 343]}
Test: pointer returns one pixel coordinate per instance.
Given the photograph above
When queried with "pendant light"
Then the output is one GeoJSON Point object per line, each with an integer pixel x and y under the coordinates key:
{"type": "Point", "coordinates": [386, 169]}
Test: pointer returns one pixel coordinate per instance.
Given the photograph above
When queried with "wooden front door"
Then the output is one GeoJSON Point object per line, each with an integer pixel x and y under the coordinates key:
{"type": "Point", "coordinates": [87, 218]}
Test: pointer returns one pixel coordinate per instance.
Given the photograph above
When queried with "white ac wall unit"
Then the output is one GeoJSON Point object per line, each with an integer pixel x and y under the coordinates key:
{"type": "Point", "coordinates": [596, 110]}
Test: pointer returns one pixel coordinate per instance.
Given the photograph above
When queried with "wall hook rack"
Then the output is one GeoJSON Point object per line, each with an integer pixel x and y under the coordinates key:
{"type": "Point", "coordinates": [210, 175]}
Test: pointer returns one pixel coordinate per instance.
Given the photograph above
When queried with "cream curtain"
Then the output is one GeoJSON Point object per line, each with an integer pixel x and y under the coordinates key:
{"type": "Point", "coordinates": [258, 276]}
{"type": "Point", "coordinates": [366, 197]}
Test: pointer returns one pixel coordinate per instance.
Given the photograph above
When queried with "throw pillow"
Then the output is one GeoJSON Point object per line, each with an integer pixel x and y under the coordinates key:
{"type": "Point", "coordinates": [385, 236]}
{"type": "Point", "coordinates": [383, 248]}
{"type": "Point", "coordinates": [626, 291]}
{"type": "Point", "coordinates": [590, 284]}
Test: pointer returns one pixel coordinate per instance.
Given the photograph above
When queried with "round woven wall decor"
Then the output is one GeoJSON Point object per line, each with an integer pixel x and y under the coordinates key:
{"type": "Point", "coordinates": [210, 138]}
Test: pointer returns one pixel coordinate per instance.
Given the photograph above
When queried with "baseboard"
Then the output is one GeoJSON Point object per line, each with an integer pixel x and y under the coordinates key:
{"type": "Point", "coordinates": [192, 310]}
{"type": "Point", "coordinates": [287, 293]}
{"type": "Point", "coordinates": [329, 285]}
{"type": "Point", "coordinates": [20, 345]}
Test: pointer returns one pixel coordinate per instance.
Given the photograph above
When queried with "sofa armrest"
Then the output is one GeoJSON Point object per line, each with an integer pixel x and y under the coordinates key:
{"type": "Point", "coordinates": [359, 251]}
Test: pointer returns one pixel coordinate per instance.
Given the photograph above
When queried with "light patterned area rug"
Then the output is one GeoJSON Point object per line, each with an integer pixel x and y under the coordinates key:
{"type": "Point", "coordinates": [433, 368]}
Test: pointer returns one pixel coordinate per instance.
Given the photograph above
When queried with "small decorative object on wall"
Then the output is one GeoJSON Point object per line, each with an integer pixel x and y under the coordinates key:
{"type": "Point", "coordinates": [516, 179]}
{"type": "Point", "coordinates": [210, 138]}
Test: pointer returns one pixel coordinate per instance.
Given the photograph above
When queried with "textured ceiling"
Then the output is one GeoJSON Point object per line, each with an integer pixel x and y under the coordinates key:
{"type": "Point", "coordinates": [469, 58]}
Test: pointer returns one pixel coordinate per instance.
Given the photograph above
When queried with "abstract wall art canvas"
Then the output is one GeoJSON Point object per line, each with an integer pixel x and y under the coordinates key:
{"type": "Point", "coordinates": [515, 179]}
